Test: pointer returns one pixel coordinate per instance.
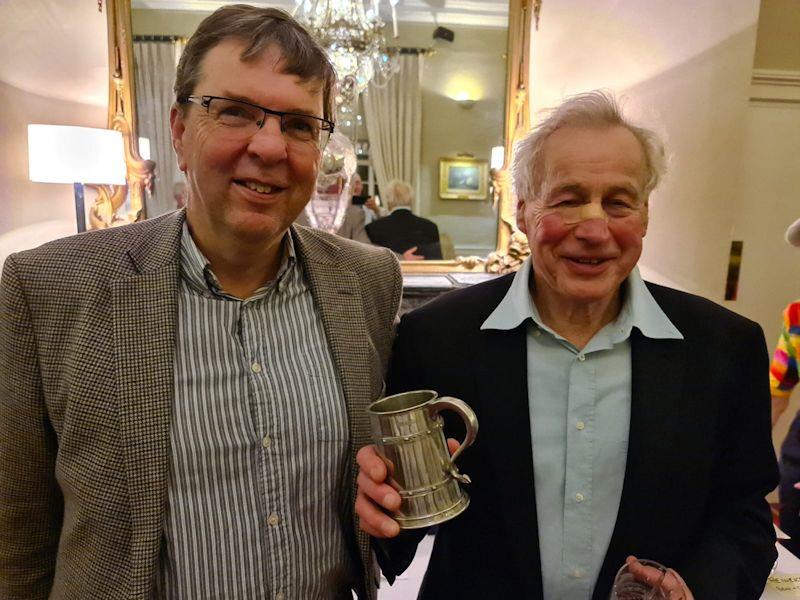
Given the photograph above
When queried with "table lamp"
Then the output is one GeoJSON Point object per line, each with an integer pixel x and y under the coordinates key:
{"type": "Point", "coordinates": [76, 155]}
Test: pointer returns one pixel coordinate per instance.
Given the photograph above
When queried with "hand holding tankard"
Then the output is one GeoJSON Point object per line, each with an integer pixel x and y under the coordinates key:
{"type": "Point", "coordinates": [409, 471]}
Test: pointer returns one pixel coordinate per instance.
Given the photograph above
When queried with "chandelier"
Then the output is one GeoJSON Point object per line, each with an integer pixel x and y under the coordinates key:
{"type": "Point", "coordinates": [351, 31]}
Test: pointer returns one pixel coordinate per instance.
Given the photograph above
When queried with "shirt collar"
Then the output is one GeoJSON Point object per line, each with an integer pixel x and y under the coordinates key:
{"type": "Point", "coordinates": [196, 269]}
{"type": "Point", "coordinates": [639, 308]}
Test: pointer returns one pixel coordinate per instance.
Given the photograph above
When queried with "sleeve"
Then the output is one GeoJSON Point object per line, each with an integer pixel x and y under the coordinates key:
{"type": "Point", "coordinates": [783, 375]}
{"type": "Point", "coordinates": [31, 506]}
{"type": "Point", "coordinates": [736, 550]}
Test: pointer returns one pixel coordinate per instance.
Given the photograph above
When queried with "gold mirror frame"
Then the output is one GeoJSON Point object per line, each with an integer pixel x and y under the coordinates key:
{"type": "Point", "coordinates": [110, 208]}
{"type": "Point", "coordinates": [511, 245]}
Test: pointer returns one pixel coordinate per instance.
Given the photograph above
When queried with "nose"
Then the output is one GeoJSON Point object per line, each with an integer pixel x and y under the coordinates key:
{"type": "Point", "coordinates": [592, 230]}
{"type": "Point", "coordinates": [268, 143]}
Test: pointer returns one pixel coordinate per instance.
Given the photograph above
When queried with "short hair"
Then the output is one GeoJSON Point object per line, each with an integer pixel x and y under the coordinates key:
{"type": "Point", "coordinates": [399, 193]}
{"type": "Point", "coordinates": [257, 28]}
{"type": "Point", "coordinates": [597, 108]}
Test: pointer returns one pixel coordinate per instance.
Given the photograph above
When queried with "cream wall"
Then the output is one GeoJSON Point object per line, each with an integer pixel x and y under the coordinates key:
{"type": "Point", "coordinates": [60, 82]}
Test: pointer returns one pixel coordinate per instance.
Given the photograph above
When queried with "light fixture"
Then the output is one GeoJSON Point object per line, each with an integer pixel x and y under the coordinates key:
{"type": "Point", "coordinates": [467, 103]}
{"type": "Point", "coordinates": [77, 155]}
{"type": "Point", "coordinates": [351, 31]}
{"type": "Point", "coordinates": [498, 157]}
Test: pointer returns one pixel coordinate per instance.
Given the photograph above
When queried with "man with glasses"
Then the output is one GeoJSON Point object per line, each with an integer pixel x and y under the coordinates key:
{"type": "Point", "coordinates": [181, 399]}
{"type": "Point", "coordinates": [618, 418]}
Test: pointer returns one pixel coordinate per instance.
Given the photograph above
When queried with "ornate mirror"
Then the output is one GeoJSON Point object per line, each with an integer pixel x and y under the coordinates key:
{"type": "Point", "coordinates": [473, 83]}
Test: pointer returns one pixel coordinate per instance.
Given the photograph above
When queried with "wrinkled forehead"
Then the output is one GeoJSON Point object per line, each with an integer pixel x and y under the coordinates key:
{"type": "Point", "coordinates": [592, 156]}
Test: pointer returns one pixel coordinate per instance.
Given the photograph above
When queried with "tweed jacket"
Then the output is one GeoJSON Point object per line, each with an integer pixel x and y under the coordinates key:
{"type": "Point", "coordinates": [87, 327]}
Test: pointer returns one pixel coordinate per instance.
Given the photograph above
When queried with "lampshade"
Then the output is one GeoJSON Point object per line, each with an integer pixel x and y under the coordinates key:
{"type": "Point", "coordinates": [66, 154]}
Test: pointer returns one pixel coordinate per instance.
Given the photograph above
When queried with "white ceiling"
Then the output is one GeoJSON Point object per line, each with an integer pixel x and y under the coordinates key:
{"type": "Point", "coordinates": [488, 13]}
{"type": "Point", "coordinates": [56, 49]}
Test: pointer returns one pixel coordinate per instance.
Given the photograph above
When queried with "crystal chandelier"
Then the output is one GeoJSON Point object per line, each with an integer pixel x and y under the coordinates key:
{"type": "Point", "coordinates": [352, 33]}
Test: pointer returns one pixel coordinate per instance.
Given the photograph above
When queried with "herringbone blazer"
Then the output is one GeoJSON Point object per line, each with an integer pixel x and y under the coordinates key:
{"type": "Point", "coordinates": [87, 327]}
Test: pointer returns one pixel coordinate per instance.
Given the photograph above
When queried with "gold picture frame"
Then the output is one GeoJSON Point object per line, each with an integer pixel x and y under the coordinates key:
{"type": "Point", "coordinates": [463, 178]}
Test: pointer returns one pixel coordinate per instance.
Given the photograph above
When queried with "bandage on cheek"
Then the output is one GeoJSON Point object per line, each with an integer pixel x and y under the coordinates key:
{"type": "Point", "coordinates": [572, 215]}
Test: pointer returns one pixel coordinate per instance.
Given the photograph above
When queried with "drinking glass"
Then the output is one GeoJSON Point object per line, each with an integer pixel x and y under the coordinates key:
{"type": "Point", "coordinates": [627, 587]}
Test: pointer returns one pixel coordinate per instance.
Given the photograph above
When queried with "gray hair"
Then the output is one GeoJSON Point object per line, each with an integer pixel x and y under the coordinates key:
{"type": "Point", "coordinates": [597, 108]}
{"type": "Point", "coordinates": [398, 193]}
{"type": "Point", "coordinates": [257, 28]}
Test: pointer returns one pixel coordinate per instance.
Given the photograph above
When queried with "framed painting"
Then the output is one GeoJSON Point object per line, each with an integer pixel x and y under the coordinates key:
{"type": "Point", "coordinates": [463, 178]}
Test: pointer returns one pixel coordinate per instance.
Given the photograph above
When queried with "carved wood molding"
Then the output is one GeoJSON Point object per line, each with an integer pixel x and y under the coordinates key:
{"type": "Point", "coordinates": [118, 205]}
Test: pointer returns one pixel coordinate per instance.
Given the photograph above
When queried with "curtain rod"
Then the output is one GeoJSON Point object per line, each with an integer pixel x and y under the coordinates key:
{"type": "Point", "coordinates": [159, 38]}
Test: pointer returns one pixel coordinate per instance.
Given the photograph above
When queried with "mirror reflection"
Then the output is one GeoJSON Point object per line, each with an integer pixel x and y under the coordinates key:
{"type": "Point", "coordinates": [423, 140]}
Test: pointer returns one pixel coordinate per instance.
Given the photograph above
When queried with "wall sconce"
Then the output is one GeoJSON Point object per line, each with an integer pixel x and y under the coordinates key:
{"type": "Point", "coordinates": [466, 103]}
{"type": "Point", "coordinates": [498, 157]}
{"type": "Point", "coordinates": [76, 155]}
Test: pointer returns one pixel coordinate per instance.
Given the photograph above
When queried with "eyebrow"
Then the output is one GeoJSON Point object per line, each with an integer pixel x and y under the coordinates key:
{"type": "Point", "coordinates": [577, 188]}
{"type": "Point", "coordinates": [299, 111]}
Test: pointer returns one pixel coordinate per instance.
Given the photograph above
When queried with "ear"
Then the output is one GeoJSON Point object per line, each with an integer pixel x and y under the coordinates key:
{"type": "Point", "coordinates": [521, 223]}
{"type": "Point", "coordinates": [178, 129]}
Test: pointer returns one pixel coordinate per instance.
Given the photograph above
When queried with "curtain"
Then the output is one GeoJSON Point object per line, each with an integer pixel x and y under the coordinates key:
{"type": "Point", "coordinates": [156, 64]}
{"type": "Point", "coordinates": [394, 123]}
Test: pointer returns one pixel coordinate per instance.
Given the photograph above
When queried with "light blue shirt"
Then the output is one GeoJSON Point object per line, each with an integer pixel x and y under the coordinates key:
{"type": "Point", "coordinates": [580, 407]}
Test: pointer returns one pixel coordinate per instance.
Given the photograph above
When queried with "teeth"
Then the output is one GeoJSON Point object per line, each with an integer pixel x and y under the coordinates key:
{"type": "Point", "coordinates": [257, 187]}
{"type": "Point", "coordinates": [589, 261]}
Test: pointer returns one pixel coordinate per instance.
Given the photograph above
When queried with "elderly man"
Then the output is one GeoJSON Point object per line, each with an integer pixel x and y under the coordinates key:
{"type": "Point", "coordinates": [617, 418]}
{"type": "Point", "coordinates": [181, 399]}
{"type": "Point", "coordinates": [410, 236]}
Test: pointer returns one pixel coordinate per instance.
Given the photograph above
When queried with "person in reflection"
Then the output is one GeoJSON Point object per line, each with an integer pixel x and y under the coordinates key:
{"type": "Point", "coordinates": [181, 399]}
{"type": "Point", "coordinates": [617, 417]}
{"type": "Point", "coordinates": [410, 236]}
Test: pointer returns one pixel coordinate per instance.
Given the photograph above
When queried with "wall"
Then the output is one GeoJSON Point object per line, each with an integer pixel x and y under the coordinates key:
{"type": "Point", "coordinates": [61, 82]}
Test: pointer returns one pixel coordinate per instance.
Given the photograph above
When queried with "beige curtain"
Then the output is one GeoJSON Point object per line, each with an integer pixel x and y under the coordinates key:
{"type": "Point", "coordinates": [156, 63]}
{"type": "Point", "coordinates": [394, 123]}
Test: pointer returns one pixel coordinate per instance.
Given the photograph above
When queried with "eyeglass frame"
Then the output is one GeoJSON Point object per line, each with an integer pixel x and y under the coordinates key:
{"type": "Point", "coordinates": [205, 102]}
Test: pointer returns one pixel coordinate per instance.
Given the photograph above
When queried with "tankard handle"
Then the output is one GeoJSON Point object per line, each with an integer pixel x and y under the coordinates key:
{"type": "Point", "coordinates": [463, 410]}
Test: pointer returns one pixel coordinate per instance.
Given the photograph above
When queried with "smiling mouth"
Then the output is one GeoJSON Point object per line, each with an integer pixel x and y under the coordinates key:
{"type": "Point", "coordinates": [260, 188]}
{"type": "Point", "coordinates": [588, 261]}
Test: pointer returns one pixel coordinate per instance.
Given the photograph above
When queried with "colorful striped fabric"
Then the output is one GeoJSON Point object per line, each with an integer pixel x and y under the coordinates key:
{"type": "Point", "coordinates": [783, 375]}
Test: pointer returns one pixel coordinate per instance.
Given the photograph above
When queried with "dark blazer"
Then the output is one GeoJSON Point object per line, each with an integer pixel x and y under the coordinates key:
{"type": "Point", "coordinates": [87, 328]}
{"type": "Point", "coordinates": [700, 457]}
{"type": "Point", "coordinates": [402, 230]}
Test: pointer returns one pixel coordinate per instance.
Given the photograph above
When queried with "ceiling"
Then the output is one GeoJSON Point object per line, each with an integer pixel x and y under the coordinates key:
{"type": "Point", "coordinates": [488, 13]}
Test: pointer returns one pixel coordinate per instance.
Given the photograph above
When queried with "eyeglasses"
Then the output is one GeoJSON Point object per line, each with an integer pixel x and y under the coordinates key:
{"type": "Point", "coordinates": [242, 120]}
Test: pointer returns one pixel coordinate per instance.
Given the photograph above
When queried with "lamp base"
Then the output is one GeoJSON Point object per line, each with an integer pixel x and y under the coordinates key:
{"type": "Point", "coordinates": [80, 214]}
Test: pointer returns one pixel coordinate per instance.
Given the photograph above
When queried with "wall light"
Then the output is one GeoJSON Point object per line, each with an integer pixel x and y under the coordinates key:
{"type": "Point", "coordinates": [77, 155]}
{"type": "Point", "coordinates": [498, 157]}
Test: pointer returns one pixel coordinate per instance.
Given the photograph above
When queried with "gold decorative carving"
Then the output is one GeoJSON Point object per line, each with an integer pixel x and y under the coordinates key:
{"type": "Point", "coordinates": [511, 258]}
{"type": "Point", "coordinates": [118, 205]}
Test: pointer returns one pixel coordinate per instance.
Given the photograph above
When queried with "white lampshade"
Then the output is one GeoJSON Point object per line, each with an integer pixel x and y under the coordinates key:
{"type": "Point", "coordinates": [66, 154]}
{"type": "Point", "coordinates": [144, 148]}
{"type": "Point", "coordinates": [498, 157]}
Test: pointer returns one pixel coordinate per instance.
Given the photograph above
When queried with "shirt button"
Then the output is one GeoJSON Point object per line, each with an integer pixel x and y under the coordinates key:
{"type": "Point", "coordinates": [273, 519]}
{"type": "Point", "coordinates": [581, 357]}
{"type": "Point", "coordinates": [266, 441]}
{"type": "Point", "coordinates": [578, 497]}
{"type": "Point", "coordinates": [255, 367]}
{"type": "Point", "coordinates": [537, 333]}
{"type": "Point", "coordinates": [580, 425]}
{"type": "Point", "coordinates": [577, 573]}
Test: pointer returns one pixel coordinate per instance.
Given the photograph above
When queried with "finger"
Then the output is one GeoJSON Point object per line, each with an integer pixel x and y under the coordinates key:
{"type": "Point", "coordinates": [452, 445]}
{"type": "Point", "coordinates": [650, 575]}
{"type": "Point", "coordinates": [373, 520]}
{"type": "Point", "coordinates": [371, 463]}
{"type": "Point", "coordinates": [380, 493]}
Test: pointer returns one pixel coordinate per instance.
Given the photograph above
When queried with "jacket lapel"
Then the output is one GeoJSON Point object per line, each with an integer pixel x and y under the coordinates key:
{"type": "Point", "coordinates": [658, 406]}
{"type": "Point", "coordinates": [144, 309]}
{"type": "Point", "coordinates": [505, 429]}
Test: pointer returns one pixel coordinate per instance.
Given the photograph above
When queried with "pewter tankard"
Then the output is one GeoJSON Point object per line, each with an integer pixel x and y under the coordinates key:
{"type": "Point", "coordinates": [407, 430]}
